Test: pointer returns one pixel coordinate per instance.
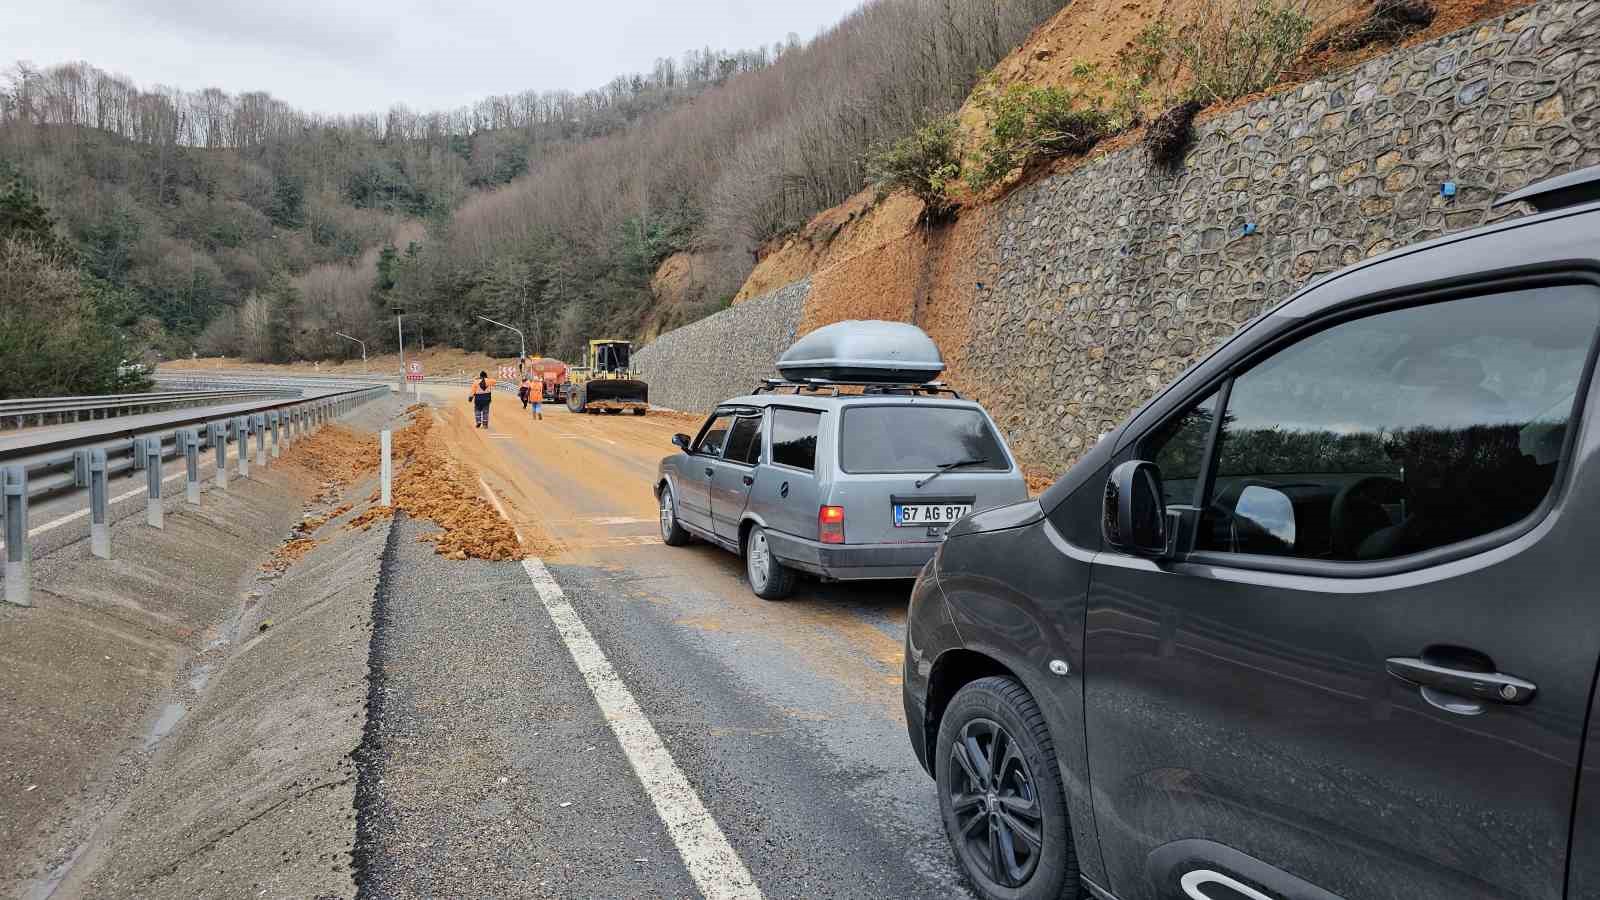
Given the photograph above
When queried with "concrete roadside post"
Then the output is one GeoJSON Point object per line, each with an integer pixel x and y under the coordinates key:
{"type": "Point", "coordinates": [189, 445]}
{"type": "Point", "coordinates": [241, 438]}
{"type": "Point", "coordinates": [387, 468]}
{"type": "Point", "coordinates": [14, 509]}
{"type": "Point", "coordinates": [261, 439]}
{"type": "Point", "coordinates": [153, 513]}
{"type": "Point", "coordinates": [216, 433]}
{"type": "Point", "coordinates": [277, 435]}
{"type": "Point", "coordinates": [99, 520]}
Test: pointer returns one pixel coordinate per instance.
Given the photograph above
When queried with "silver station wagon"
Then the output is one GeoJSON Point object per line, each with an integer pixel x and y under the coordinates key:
{"type": "Point", "coordinates": [851, 468]}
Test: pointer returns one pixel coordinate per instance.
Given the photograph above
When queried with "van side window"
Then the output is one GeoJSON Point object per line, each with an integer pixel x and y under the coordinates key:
{"type": "Point", "coordinates": [713, 435]}
{"type": "Point", "coordinates": [1402, 431]}
{"type": "Point", "coordinates": [744, 441]}
{"type": "Point", "coordinates": [794, 437]}
{"type": "Point", "coordinates": [1178, 448]}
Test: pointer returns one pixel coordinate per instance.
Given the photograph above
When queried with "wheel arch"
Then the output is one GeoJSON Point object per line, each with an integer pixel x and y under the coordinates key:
{"type": "Point", "coordinates": [952, 671]}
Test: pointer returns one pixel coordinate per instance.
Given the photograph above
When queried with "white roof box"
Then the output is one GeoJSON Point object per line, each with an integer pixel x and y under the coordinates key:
{"type": "Point", "coordinates": [870, 352]}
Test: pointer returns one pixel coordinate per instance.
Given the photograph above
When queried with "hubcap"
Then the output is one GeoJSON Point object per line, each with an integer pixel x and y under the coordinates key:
{"type": "Point", "coordinates": [757, 554]}
{"type": "Point", "coordinates": [666, 514]}
{"type": "Point", "coordinates": [999, 820]}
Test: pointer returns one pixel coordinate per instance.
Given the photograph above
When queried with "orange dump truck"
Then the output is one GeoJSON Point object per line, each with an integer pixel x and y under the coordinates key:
{"type": "Point", "coordinates": [553, 373]}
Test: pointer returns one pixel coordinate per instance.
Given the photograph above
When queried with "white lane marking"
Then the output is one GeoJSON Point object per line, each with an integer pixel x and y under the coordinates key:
{"type": "Point", "coordinates": [495, 499]}
{"type": "Point", "coordinates": [500, 437]}
{"type": "Point", "coordinates": [617, 520]}
{"type": "Point", "coordinates": [710, 859]}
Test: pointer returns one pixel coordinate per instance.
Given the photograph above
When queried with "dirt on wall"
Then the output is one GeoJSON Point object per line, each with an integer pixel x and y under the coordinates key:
{"type": "Point", "coordinates": [858, 225]}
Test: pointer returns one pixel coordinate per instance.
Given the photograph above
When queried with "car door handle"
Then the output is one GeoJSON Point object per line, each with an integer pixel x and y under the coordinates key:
{"type": "Point", "coordinates": [1489, 686]}
{"type": "Point", "coordinates": [708, 471]}
{"type": "Point", "coordinates": [749, 480]}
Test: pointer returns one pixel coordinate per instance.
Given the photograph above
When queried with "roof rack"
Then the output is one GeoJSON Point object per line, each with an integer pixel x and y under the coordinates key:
{"type": "Point", "coordinates": [869, 388]}
{"type": "Point", "coordinates": [1571, 189]}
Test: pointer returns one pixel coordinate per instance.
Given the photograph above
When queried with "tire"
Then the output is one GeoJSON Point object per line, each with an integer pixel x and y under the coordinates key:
{"type": "Point", "coordinates": [640, 412]}
{"type": "Point", "coordinates": [672, 534]}
{"type": "Point", "coordinates": [612, 412]}
{"type": "Point", "coordinates": [990, 714]}
{"type": "Point", "coordinates": [769, 579]}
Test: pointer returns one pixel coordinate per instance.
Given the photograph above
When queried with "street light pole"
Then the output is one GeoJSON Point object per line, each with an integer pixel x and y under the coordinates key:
{"type": "Point", "coordinates": [400, 332]}
{"type": "Point", "coordinates": [363, 349]}
{"type": "Point", "coordinates": [524, 358]}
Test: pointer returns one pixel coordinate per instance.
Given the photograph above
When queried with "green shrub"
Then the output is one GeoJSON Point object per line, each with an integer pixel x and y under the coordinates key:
{"type": "Point", "coordinates": [1238, 47]}
{"type": "Point", "coordinates": [925, 163]}
{"type": "Point", "coordinates": [1029, 123]}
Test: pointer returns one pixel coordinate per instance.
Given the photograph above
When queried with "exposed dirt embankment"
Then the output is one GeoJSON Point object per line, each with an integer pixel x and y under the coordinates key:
{"type": "Point", "coordinates": [857, 225]}
{"type": "Point", "coordinates": [437, 362]}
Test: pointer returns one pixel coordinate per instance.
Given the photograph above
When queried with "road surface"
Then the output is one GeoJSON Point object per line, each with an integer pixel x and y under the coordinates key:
{"type": "Point", "coordinates": [622, 718]}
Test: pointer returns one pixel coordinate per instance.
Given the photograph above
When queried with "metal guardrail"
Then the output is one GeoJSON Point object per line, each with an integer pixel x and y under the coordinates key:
{"type": "Point", "coordinates": [89, 461]}
{"type": "Point", "coordinates": [75, 409]}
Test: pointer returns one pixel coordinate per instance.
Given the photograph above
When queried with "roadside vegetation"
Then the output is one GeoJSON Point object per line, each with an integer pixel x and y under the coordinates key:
{"type": "Point", "coordinates": [60, 325]}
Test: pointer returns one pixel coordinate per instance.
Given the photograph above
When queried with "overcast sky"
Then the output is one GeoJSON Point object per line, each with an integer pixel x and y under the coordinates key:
{"type": "Point", "coordinates": [345, 56]}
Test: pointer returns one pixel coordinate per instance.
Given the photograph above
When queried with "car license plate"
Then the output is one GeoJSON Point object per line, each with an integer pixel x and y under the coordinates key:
{"type": "Point", "coordinates": [917, 515]}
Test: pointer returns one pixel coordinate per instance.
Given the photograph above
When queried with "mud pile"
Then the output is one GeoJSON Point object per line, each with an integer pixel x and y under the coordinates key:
{"type": "Point", "coordinates": [431, 485]}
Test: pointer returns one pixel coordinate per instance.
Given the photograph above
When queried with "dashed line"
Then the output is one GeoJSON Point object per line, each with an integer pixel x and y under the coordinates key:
{"type": "Point", "coordinates": [712, 862]}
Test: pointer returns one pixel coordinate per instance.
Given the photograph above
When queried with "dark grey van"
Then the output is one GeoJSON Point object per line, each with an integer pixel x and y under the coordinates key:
{"type": "Point", "coordinates": [1319, 620]}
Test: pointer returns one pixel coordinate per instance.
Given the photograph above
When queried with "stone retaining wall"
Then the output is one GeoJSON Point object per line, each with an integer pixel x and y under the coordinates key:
{"type": "Point", "coordinates": [1091, 288]}
{"type": "Point", "coordinates": [695, 367]}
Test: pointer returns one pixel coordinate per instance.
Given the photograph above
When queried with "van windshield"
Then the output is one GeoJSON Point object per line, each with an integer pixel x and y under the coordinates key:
{"type": "Point", "coordinates": [918, 439]}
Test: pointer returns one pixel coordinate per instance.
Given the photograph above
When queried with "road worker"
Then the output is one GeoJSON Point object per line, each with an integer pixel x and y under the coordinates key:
{"type": "Point", "coordinates": [525, 391]}
{"type": "Point", "coordinates": [481, 393]}
{"type": "Point", "coordinates": [536, 397]}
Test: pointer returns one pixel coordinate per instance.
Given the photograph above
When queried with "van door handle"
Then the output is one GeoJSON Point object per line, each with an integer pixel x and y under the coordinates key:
{"type": "Point", "coordinates": [748, 481]}
{"type": "Point", "coordinates": [1490, 686]}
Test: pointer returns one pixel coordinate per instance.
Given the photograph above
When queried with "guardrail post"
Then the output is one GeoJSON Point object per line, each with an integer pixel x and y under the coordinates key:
{"type": "Point", "coordinates": [386, 466]}
{"type": "Point", "coordinates": [99, 520]}
{"type": "Point", "coordinates": [189, 446]}
{"type": "Point", "coordinates": [216, 432]}
{"type": "Point", "coordinates": [260, 425]}
{"type": "Point", "coordinates": [14, 509]}
{"type": "Point", "coordinates": [277, 435]}
{"type": "Point", "coordinates": [241, 436]}
{"type": "Point", "coordinates": [153, 513]}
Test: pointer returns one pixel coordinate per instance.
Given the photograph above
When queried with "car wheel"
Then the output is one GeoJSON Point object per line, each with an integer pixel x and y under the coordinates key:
{"type": "Point", "coordinates": [672, 534]}
{"type": "Point", "coordinates": [770, 579]}
{"type": "Point", "coordinates": [1001, 797]}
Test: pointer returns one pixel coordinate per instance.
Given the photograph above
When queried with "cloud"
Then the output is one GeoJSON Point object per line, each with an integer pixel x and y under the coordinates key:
{"type": "Point", "coordinates": [289, 28]}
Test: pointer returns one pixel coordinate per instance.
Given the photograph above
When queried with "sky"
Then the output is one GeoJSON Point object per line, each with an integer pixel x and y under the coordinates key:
{"type": "Point", "coordinates": [343, 56]}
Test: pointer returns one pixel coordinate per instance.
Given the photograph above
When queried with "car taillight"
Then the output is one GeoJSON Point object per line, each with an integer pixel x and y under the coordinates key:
{"type": "Point", "coordinates": [830, 524]}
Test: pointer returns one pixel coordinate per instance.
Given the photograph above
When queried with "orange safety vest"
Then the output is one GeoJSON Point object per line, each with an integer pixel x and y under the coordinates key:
{"type": "Point", "coordinates": [489, 389]}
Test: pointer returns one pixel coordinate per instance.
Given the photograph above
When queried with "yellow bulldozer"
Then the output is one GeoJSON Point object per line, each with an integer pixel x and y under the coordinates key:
{"type": "Point", "coordinates": [606, 381]}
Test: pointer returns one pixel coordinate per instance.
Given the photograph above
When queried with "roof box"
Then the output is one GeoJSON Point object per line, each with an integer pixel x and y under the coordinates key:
{"type": "Point", "coordinates": [864, 352]}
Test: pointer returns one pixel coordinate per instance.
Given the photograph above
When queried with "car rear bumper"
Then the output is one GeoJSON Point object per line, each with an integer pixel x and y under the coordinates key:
{"type": "Point", "coordinates": [851, 562]}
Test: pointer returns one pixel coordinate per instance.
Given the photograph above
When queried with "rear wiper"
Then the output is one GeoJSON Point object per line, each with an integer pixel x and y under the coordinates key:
{"type": "Point", "coordinates": [949, 466]}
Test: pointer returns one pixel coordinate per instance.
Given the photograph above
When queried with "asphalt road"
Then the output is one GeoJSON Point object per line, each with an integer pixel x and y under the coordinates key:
{"type": "Point", "coordinates": [503, 759]}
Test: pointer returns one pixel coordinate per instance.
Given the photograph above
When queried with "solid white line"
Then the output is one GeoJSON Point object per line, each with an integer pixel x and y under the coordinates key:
{"type": "Point", "coordinates": [710, 859]}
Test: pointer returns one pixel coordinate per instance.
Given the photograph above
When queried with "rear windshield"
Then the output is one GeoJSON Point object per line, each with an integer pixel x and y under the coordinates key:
{"type": "Point", "coordinates": [903, 439]}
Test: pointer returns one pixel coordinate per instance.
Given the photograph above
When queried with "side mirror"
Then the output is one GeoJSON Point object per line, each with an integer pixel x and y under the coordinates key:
{"type": "Point", "coordinates": [1263, 521]}
{"type": "Point", "coordinates": [681, 441]}
{"type": "Point", "coordinates": [1134, 518]}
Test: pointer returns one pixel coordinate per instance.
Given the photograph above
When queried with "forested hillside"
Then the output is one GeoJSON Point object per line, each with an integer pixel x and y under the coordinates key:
{"type": "Point", "coordinates": [235, 224]}
{"type": "Point", "coordinates": [570, 249]}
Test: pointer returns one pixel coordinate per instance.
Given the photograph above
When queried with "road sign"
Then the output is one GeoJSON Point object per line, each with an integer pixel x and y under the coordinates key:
{"type": "Point", "coordinates": [508, 373]}
{"type": "Point", "coordinates": [413, 371]}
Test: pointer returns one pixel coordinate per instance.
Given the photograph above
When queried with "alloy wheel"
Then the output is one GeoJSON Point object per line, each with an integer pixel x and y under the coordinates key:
{"type": "Point", "coordinates": [667, 518]}
{"type": "Point", "coordinates": [757, 560]}
{"type": "Point", "coordinates": [999, 818]}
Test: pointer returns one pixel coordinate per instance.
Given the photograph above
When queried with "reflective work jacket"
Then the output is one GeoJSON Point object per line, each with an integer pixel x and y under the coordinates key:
{"type": "Point", "coordinates": [488, 387]}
